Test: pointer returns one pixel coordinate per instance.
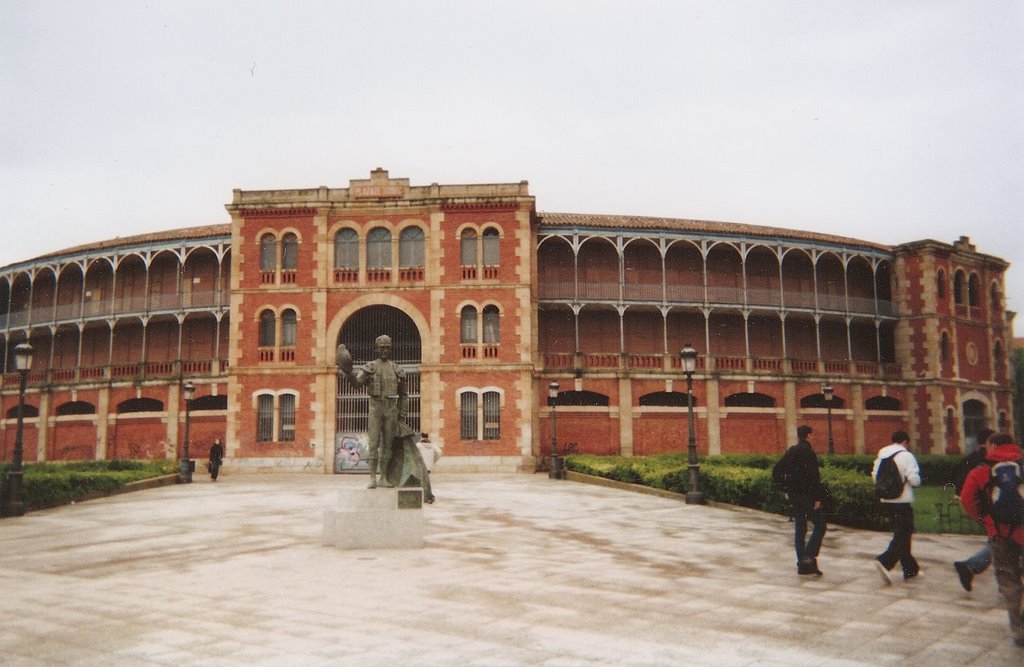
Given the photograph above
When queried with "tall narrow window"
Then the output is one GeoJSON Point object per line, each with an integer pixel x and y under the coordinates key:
{"type": "Point", "coordinates": [973, 291]}
{"type": "Point", "coordinates": [378, 248]}
{"type": "Point", "coordinates": [268, 253]}
{"type": "Point", "coordinates": [492, 334]}
{"type": "Point", "coordinates": [410, 248]}
{"type": "Point", "coordinates": [265, 417]}
{"type": "Point", "coordinates": [940, 284]}
{"type": "Point", "coordinates": [290, 252]}
{"type": "Point", "coordinates": [944, 347]}
{"type": "Point", "coordinates": [286, 404]}
{"type": "Point", "coordinates": [468, 329]}
{"type": "Point", "coordinates": [268, 325]}
{"type": "Point", "coordinates": [492, 247]}
{"type": "Point", "coordinates": [994, 298]}
{"type": "Point", "coordinates": [346, 250]}
{"type": "Point", "coordinates": [288, 327]}
{"type": "Point", "coordinates": [468, 416]}
{"type": "Point", "coordinates": [468, 254]}
{"type": "Point", "coordinates": [492, 415]}
{"type": "Point", "coordinates": [958, 287]}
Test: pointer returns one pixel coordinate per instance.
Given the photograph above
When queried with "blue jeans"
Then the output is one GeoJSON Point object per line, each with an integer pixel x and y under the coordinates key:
{"type": "Point", "coordinates": [980, 561]}
{"type": "Point", "coordinates": [807, 550]}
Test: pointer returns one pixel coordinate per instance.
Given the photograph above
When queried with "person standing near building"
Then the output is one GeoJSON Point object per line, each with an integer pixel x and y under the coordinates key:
{"type": "Point", "coordinates": [1006, 538]}
{"type": "Point", "coordinates": [430, 452]}
{"type": "Point", "coordinates": [967, 569]}
{"type": "Point", "coordinates": [216, 458]}
{"type": "Point", "coordinates": [900, 509]}
{"type": "Point", "coordinates": [797, 473]}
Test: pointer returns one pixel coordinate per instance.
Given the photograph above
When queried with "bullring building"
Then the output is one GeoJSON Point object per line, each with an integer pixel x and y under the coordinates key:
{"type": "Point", "coordinates": [488, 302]}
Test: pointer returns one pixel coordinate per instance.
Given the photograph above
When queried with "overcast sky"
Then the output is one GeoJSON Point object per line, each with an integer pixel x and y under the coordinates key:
{"type": "Point", "coordinates": [884, 121]}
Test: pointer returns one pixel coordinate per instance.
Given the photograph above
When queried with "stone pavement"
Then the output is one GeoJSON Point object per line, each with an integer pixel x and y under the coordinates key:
{"type": "Point", "coordinates": [517, 570]}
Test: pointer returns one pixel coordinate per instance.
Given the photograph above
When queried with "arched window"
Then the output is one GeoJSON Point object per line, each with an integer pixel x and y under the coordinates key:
{"type": "Point", "coordinates": [268, 253]}
{"type": "Point", "coordinates": [209, 402]}
{"type": "Point", "coordinates": [268, 326]}
{"type": "Point", "coordinates": [410, 248]}
{"type": "Point", "coordinates": [468, 328]}
{"type": "Point", "coordinates": [973, 291]}
{"type": "Point", "coordinates": [378, 248]}
{"type": "Point", "coordinates": [994, 299]}
{"type": "Point", "coordinates": [467, 248]}
{"type": "Point", "coordinates": [29, 412]}
{"type": "Point", "coordinates": [882, 403]}
{"type": "Point", "coordinates": [286, 408]}
{"type": "Point", "coordinates": [667, 399]}
{"type": "Point", "coordinates": [140, 405]}
{"type": "Point", "coordinates": [997, 360]}
{"type": "Point", "coordinates": [958, 288]}
{"type": "Point", "coordinates": [585, 398]}
{"type": "Point", "coordinates": [290, 252]}
{"type": "Point", "coordinates": [346, 250]}
{"type": "Point", "coordinates": [492, 415]}
{"type": "Point", "coordinates": [940, 284]}
{"type": "Point", "coordinates": [265, 418]}
{"type": "Point", "coordinates": [749, 400]}
{"type": "Point", "coordinates": [492, 318]}
{"type": "Point", "coordinates": [492, 247]}
{"type": "Point", "coordinates": [818, 401]}
{"type": "Point", "coordinates": [944, 347]}
{"type": "Point", "coordinates": [75, 408]}
{"type": "Point", "coordinates": [288, 327]}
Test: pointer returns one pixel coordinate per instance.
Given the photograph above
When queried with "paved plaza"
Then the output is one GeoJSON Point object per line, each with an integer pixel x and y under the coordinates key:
{"type": "Point", "coordinates": [516, 570]}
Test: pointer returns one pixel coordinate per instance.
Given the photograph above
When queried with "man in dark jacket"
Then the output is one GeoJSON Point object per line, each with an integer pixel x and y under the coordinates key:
{"type": "Point", "coordinates": [797, 472]}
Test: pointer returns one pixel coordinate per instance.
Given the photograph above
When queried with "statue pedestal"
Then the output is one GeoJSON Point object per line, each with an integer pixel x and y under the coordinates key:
{"type": "Point", "coordinates": [375, 519]}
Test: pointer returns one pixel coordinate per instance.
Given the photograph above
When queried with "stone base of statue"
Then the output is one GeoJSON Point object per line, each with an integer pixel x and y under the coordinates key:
{"type": "Point", "coordinates": [378, 518]}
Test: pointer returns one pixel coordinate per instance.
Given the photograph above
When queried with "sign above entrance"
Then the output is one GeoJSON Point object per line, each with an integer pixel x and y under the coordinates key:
{"type": "Point", "coordinates": [377, 191]}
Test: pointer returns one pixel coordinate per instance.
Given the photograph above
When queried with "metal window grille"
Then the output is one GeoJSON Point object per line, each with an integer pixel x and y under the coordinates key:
{"type": "Point", "coordinates": [378, 248]}
{"type": "Point", "coordinates": [264, 418]}
{"type": "Point", "coordinates": [492, 415]}
{"type": "Point", "coordinates": [286, 407]}
{"type": "Point", "coordinates": [468, 416]}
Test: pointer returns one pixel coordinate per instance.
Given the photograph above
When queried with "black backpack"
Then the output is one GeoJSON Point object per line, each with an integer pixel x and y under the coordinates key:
{"type": "Point", "coordinates": [781, 473]}
{"type": "Point", "coordinates": [1004, 493]}
{"type": "Point", "coordinates": [888, 480]}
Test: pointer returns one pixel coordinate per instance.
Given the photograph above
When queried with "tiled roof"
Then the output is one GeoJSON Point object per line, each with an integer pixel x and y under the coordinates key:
{"type": "Point", "coordinates": [643, 223]}
{"type": "Point", "coordinates": [183, 234]}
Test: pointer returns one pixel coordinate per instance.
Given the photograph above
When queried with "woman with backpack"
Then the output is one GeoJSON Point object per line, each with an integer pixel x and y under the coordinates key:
{"type": "Point", "coordinates": [993, 494]}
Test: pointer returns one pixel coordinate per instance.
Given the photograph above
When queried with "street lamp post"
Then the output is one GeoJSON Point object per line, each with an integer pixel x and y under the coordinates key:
{"type": "Point", "coordinates": [556, 464]}
{"type": "Point", "coordinates": [828, 392]}
{"type": "Point", "coordinates": [185, 471]}
{"type": "Point", "coordinates": [694, 496]}
{"type": "Point", "coordinates": [23, 364]}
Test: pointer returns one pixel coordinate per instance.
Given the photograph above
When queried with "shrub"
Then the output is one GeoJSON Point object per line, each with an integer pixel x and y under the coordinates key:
{"type": "Point", "coordinates": [50, 484]}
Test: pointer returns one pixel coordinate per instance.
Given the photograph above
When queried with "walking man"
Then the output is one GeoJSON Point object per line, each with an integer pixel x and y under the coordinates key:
{"type": "Point", "coordinates": [900, 509]}
{"type": "Point", "coordinates": [797, 473]}
{"type": "Point", "coordinates": [1001, 513]}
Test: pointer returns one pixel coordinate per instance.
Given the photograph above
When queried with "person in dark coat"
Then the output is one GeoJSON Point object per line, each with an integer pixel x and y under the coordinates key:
{"type": "Point", "coordinates": [797, 472]}
{"type": "Point", "coordinates": [979, 562]}
{"type": "Point", "coordinates": [216, 458]}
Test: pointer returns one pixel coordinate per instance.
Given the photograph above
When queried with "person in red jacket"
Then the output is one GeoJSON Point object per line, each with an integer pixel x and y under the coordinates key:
{"type": "Point", "coordinates": [1007, 541]}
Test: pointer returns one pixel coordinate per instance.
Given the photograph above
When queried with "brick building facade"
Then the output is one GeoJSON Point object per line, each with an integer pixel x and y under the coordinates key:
{"type": "Point", "coordinates": [488, 302]}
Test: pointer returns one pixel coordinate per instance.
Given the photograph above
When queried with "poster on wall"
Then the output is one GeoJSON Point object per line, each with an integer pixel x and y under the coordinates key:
{"type": "Point", "coordinates": [350, 452]}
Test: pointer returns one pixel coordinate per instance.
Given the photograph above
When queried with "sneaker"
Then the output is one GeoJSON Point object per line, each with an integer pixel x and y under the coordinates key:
{"type": "Point", "coordinates": [886, 577]}
{"type": "Point", "coordinates": [965, 574]}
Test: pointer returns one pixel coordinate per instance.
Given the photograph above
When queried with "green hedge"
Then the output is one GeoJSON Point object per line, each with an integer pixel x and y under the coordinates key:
{"type": "Point", "coordinates": [746, 480]}
{"type": "Point", "coordinates": [50, 484]}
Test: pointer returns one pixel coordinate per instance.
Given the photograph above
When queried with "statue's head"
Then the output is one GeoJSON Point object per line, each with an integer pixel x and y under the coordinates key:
{"type": "Point", "coordinates": [383, 346]}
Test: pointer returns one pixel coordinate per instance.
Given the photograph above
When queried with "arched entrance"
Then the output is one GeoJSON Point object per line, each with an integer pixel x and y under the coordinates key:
{"type": "Point", "coordinates": [358, 334]}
